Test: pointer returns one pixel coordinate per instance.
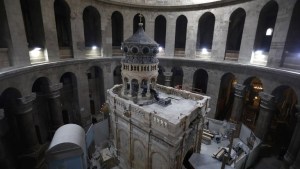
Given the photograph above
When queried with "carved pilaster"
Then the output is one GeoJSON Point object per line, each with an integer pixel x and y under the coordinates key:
{"type": "Point", "coordinates": [55, 106]}
{"type": "Point", "coordinates": [24, 117]}
{"type": "Point", "coordinates": [294, 146]}
{"type": "Point", "coordinates": [168, 76]}
{"type": "Point", "coordinates": [265, 115]}
{"type": "Point", "coordinates": [237, 108]}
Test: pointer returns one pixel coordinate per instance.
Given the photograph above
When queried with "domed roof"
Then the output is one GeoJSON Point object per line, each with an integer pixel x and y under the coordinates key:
{"type": "Point", "coordinates": [140, 48]}
{"type": "Point", "coordinates": [140, 37]}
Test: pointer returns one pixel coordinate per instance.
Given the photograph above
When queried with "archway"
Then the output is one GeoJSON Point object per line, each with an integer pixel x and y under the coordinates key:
{"type": "Point", "coordinates": [69, 99]}
{"type": "Point", "coordinates": [292, 50]}
{"type": "Point", "coordinates": [96, 89]}
{"type": "Point", "coordinates": [63, 28]}
{"type": "Point", "coordinates": [134, 87]}
{"type": "Point", "coordinates": [92, 27]}
{"type": "Point", "coordinates": [41, 88]}
{"type": "Point", "coordinates": [160, 30]}
{"type": "Point", "coordinates": [226, 97]}
{"type": "Point", "coordinates": [118, 75]}
{"type": "Point", "coordinates": [33, 23]}
{"type": "Point", "coordinates": [253, 86]}
{"type": "Point", "coordinates": [9, 139]}
{"type": "Point", "coordinates": [180, 35]}
{"type": "Point", "coordinates": [161, 77]}
{"type": "Point", "coordinates": [283, 121]}
{"type": "Point", "coordinates": [235, 33]}
{"type": "Point", "coordinates": [206, 26]}
{"type": "Point", "coordinates": [117, 32]}
{"type": "Point", "coordinates": [267, 20]}
{"type": "Point", "coordinates": [5, 38]}
{"type": "Point", "coordinates": [177, 77]}
{"type": "Point", "coordinates": [200, 80]}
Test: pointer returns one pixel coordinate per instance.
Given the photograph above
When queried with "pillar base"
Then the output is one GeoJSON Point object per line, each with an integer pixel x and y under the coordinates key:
{"type": "Point", "coordinates": [34, 159]}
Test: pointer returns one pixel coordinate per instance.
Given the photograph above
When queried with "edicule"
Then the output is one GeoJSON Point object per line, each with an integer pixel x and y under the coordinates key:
{"type": "Point", "coordinates": [152, 126]}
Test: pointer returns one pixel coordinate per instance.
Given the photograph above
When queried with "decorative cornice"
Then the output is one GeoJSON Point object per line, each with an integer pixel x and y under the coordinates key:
{"type": "Point", "coordinates": [267, 100]}
{"type": "Point", "coordinates": [179, 6]}
{"type": "Point", "coordinates": [239, 90]}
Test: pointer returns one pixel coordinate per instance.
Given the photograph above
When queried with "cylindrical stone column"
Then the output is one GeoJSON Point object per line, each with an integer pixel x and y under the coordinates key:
{"type": "Point", "coordinates": [55, 106]}
{"type": "Point", "coordinates": [237, 108]}
{"type": "Point", "coordinates": [296, 164]}
{"type": "Point", "coordinates": [25, 122]}
{"type": "Point", "coordinates": [168, 76]}
{"type": "Point", "coordinates": [294, 146]}
{"type": "Point", "coordinates": [265, 115]}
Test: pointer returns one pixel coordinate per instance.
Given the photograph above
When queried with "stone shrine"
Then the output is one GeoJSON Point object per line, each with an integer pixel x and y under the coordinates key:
{"type": "Point", "coordinates": [152, 126]}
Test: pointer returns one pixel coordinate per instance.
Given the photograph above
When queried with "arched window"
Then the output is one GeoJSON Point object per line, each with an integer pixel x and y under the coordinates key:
{"type": "Point", "coordinates": [63, 28]}
{"type": "Point", "coordinates": [92, 27]}
{"type": "Point", "coordinates": [292, 46]}
{"type": "Point", "coordinates": [5, 38]}
{"type": "Point", "coordinates": [69, 98]}
{"type": "Point", "coordinates": [177, 77]}
{"type": "Point", "coordinates": [160, 30]}
{"type": "Point", "coordinates": [235, 33]}
{"type": "Point", "coordinates": [136, 20]}
{"type": "Point", "coordinates": [117, 29]}
{"type": "Point", "coordinates": [200, 80]}
{"type": "Point", "coordinates": [253, 86]}
{"type": "Point", "coordinates": [32, 16]}
{"type": "Point", "coordinates": [180, 35]}
{"type": "Point", "coordinates": [267, 19]}
{"type": "Point", "coordinates": [226, 97]}
{"type": "Point", "coordinates": [205, 33]}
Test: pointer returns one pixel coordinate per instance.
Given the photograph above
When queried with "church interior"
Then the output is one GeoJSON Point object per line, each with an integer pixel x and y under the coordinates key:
{"type": "Point", "coordinates": [228, 70]}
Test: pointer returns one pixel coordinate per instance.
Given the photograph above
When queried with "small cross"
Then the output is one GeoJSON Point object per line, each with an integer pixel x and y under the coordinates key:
{"type": "Point", "coordinates": [141, 16]}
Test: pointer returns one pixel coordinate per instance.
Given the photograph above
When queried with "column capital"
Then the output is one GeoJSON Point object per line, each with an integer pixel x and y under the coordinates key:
{"type": "Point", "coordinates": [55, 87]}
{"type": "Point", "coordinates": [267, 100]}
{"type": "Point", "coordinates": [54, 90]}
{"type": "Point", "coordinates": [239, 90]}
{"type": "Point", "coordinates": [25, 104]}
{"type": "Point", "coordinates": [168, 74]}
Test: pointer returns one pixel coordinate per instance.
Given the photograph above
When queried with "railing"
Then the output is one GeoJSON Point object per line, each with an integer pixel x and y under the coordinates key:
{"type": "Point", "coordinates": [116, 51]}
{"type": "Point", "coordinates": [179, 52]}
{"type": "Point", "coordinates": [65, 53]}
{"type": "Point", "coordinates": [231, 55]}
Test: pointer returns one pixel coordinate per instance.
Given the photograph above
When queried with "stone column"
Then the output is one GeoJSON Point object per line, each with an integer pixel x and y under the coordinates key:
{"type": "Point", "coordinates": [55, 106]}
{"type": "Point", "coordinates": [32, 152]}
{"type": "Point", "coordinates": [168, 76]}
{"type": "Point", "coordinates": [237, 108]}
{"type": "Point", "coordinates": [19, 53]}
{"type": "Point", "coordinates": [265, 115]}
{"type": "Point", "coordinates": [249, 32]}
{"type": "Point", "coordinates": [220, 37]}
{"type": "Point", "coordinates": [24, 118]}
{"type": "Point", "coordinates": [148, 89]}
{"type": "Point", "coordinates": [170, 37]}
{"type": "Point", "coordinates": [191, 39]}
{"type": "Point", "coordinates": [284, 16]}
{"type": "Point", "coordinates": [294, 146]}
{"type": "Point", "coordinates": [51, 44]}
{"type": "Point", "coordinates": [296, 164]}
{"type": "Point", "coordinates": [130, 88]}
{"type": "Point", "coordinates": [77, 32]}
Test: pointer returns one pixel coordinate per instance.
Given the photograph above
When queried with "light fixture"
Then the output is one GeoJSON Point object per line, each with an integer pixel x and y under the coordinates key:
{"type": "Point", "coordinates": [258, 52]}
{"type": "Point", "coordinates": [204, 51]}
{"type": "Point", "coordinates": [269, 32]}
{"type": "Point", "coordinates": [94, 47]}
{"type": "Point", "coordinates": [160, 48]}
{"type": "Point", "coordinates": [37, 49]}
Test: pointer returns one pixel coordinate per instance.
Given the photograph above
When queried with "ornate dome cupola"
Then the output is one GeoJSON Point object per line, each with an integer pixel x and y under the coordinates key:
{"type": "Point", "coordinates": [140, 65]}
